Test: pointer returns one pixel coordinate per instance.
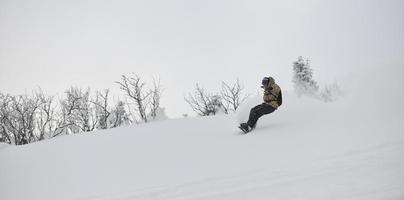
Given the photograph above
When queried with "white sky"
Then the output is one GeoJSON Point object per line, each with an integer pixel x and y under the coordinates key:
{"type": "Point", "coordinates": [54, 44]}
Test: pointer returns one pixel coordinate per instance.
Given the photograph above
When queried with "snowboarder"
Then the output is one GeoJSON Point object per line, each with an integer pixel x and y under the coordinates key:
{"type": "Point", "coordinates": [272, 100]}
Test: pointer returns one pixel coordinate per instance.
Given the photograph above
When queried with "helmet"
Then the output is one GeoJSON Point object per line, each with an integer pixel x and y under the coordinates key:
{"type": "Point", "coordinates": [267, 80]}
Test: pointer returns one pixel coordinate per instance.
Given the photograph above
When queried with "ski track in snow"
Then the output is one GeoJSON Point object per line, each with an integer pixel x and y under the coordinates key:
{"type": "Point", "coordinates": [363, 182]}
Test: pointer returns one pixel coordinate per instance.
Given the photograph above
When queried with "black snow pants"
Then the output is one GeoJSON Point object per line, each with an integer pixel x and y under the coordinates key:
{"type": "Point", "coordinates": [257, 112]}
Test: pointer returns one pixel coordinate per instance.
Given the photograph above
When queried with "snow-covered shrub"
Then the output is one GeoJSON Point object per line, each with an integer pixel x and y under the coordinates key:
{"type": "Point", "coordinates": [217, 105]}
{"type": "Point", "coordinates": [119, 116]}
{"type": "Point", "coordinates": [303, 81]}
{"type": "Point", "coordinates": [204, 103]}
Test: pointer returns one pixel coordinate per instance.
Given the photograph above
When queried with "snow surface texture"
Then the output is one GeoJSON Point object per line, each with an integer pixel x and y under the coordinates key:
{"type": "Point", "coordinates": [307, 149]}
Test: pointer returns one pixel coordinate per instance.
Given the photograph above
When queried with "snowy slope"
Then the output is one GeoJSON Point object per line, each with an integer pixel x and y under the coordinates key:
{"type": "Point", "coordinates": [349, 149]}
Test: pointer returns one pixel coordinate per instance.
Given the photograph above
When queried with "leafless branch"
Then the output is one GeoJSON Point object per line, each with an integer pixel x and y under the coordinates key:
{"type": "Point", "coordinates": [204, 103]}
{"type": "Point", "coordinates": [232, 96]}
{"type": "Point", "coordinates": [134, 89]}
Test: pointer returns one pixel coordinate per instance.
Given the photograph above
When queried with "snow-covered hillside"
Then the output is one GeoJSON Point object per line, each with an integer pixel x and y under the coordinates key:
{"type": "Point", "coordinates": [349, 149]}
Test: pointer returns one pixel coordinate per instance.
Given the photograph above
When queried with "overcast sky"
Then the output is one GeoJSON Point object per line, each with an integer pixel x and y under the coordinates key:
{"type": "Point", "coordinates": [55, 44]}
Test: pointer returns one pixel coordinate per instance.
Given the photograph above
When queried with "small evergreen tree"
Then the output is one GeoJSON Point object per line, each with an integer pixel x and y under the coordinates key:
{"type": "Point", "coordinates": [303, 78]}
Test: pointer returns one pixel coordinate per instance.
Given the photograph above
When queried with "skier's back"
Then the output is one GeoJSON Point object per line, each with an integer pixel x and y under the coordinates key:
{"type": "Point", "coordinates": [272, 100]}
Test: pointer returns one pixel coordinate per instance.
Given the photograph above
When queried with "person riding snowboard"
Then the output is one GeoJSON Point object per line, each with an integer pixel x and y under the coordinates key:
{"type": "Point", "coordinates": [272, 100]}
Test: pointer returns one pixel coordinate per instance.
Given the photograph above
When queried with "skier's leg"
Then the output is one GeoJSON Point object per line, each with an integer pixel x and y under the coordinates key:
{"type": "Point", "coordinates": [258, 112]}
{"type": "Point", "coordinates": [246, 127]}
{"type": "Point", "coordinates": [254, 115]}
{"type": "Point", "coordinates": [266, 109]}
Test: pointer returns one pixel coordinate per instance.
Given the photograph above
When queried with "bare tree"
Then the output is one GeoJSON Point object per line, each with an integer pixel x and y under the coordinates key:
{"type": "Point", "coordinates": [18, 118]}
{"type": "Point", "coordinates": [77, 113]}
{"type": "Point", "coordinates": [29, 118]}
{"type": "Point", "coordinates": [5, 133]}
{"type": "Point", "coordinates": [25, 119]}
{"type": "Point", "coordinates": [232, 96]}
{"type": "Point", "coordinates": [69, 105]}
{"type": "Point", "coordinates": [203, 102]}
{"type": "Point", "coordinates": [155, 97]}
{"type": "Point", "coordinates": [46, 116]}
{"type": "Point", "coordinates": [102, 109]}
{"type": "Point", "coordinates": [134, 89]}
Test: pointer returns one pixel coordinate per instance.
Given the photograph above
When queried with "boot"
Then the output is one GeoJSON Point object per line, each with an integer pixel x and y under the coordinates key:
{"type": "Point", "coordinates": [245, 127]}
